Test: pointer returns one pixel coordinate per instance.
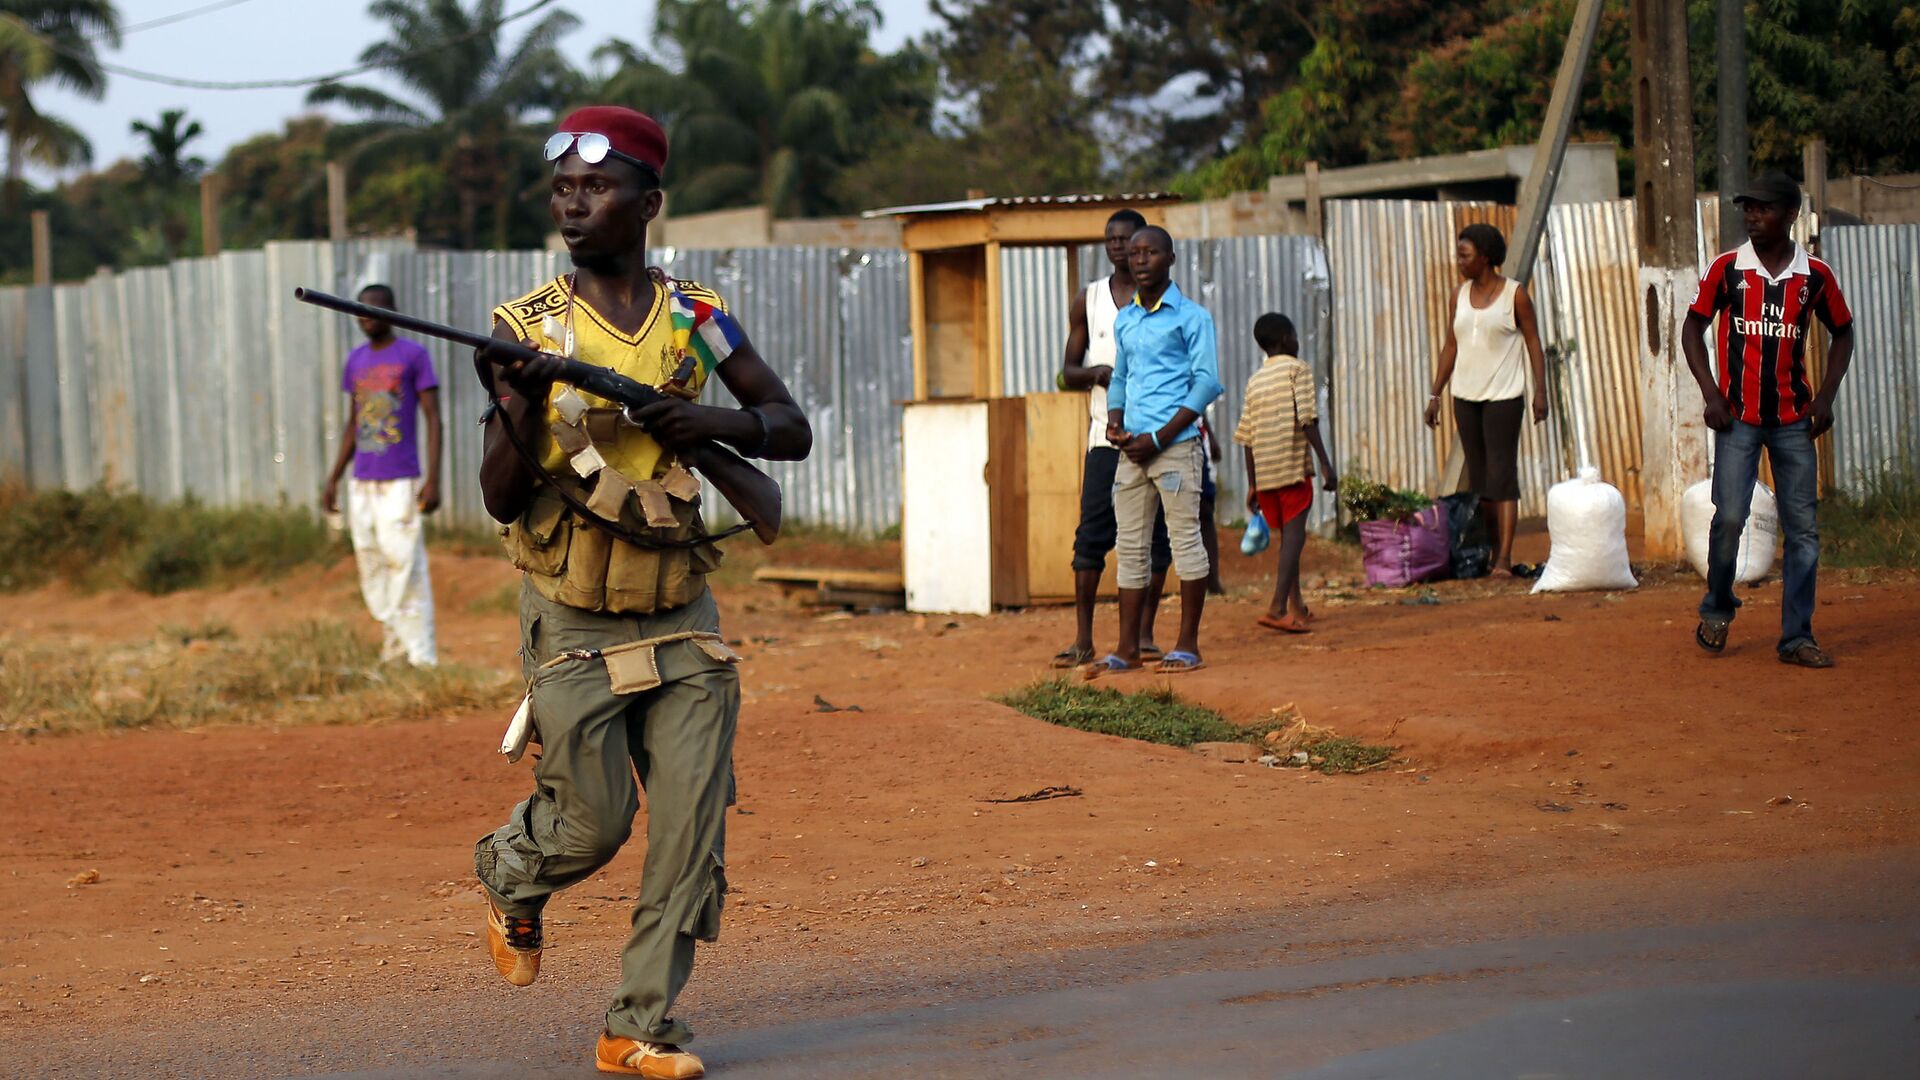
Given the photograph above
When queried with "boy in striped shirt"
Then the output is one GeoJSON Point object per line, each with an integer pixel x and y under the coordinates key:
{"type": "Point", "coordinates": [1766, 294]}
{"type": "Point", "coordinates": [1280, 421]}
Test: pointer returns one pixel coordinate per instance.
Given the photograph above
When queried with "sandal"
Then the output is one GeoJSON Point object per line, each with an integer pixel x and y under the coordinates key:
{"type": "Point", "coordinates": [1110, 664]}
{"type": "Point", "coordinates": [1291, 624]}
{"type": "Point", "coordinates": [1807, 654]}
{"type": "Point", "coordinates": [1711, 635]}
{"type": "Point", "coordinates": [1072, 656]}
{"type": "Point", "coordinates": [1150, 651]}
{"type": "Point", "coordinates": [1179, 662]}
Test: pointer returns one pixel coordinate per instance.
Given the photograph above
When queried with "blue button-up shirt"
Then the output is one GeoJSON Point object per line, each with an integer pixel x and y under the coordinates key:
{"type": "Point", "coordinates": [1166, 358]}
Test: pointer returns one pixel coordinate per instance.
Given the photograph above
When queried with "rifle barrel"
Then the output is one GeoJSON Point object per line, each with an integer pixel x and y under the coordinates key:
{"type": "Point", "coordinates": [404, 322]}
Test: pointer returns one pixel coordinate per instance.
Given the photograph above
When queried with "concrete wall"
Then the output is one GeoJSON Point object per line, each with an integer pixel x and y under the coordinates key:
{"type": "Point", "coordinates": [1589, 173]}
{"type": "Point", "coordinates": [755, 227]}
{"type": "Point", "coordinates": [1880, 200]}
{"type": "Point", "coordinates": [1245, 213]}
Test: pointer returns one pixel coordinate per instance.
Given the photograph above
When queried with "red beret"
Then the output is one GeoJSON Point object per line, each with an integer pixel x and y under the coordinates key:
{"type": "Point", "coordinates": [633, 133]}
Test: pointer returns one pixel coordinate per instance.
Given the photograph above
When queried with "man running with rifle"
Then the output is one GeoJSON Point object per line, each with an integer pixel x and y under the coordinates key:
{"type": "Point", "coordinates": [619, 634]}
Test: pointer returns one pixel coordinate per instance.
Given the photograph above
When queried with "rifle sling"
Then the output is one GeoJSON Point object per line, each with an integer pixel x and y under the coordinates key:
{"type": "Point", "coordinates": [612, 528]}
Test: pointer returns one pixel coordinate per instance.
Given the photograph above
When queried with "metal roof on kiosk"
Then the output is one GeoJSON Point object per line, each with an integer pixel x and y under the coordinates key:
{"type": "Point", "coordinates": [973, 205]}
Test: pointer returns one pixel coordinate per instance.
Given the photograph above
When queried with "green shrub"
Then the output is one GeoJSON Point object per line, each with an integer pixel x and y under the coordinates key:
{"type": "Point", "coordinates": [1876, 525]}
{"type": "Point", "coordinates": [102, 539]}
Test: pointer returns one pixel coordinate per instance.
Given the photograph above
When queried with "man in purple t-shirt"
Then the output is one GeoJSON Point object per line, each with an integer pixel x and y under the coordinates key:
{"type": "Point", "coordinates": [390, 379]}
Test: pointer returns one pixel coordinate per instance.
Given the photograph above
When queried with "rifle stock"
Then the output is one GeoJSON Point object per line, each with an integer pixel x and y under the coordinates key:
{"type": "Point", "coordinates": [749, 491]}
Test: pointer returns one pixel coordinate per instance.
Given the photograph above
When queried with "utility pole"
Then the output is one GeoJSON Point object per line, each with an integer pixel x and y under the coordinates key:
{"type": "Point", "coordinates": [1316, 206]}
{"type": "Point", "coordinates": [336, 201]}
{"type": "Point", "coordinates": [1732, 165]}
{"type": "Point", "coordinates": [1536, 191]}
{"type": "Point", "coordinates": [210, 215]}
{"type": "Point", "coordinates": [1673, 432]}
{"type": "Point", "coordinates": [1813, 166]}
{"type": "Point", "coordinates": [42, 248]}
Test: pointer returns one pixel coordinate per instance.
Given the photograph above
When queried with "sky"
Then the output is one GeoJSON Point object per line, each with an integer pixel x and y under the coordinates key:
{"type": "Point", "coordinates": [276, 39]}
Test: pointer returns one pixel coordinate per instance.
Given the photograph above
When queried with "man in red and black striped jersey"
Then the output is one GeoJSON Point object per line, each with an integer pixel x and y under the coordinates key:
{"type": "Point", "coordinates": [1765, 295]}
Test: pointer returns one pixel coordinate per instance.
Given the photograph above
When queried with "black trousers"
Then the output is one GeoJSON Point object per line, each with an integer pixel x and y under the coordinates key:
{"type": "Point", "coordinates": [1490, 434]}
{"type": "Point", "coordinates": [1095, 537]}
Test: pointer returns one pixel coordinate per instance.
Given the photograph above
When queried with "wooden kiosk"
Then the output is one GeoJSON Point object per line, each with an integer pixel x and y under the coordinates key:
{"type": "Point", "coordinates": [990, 485]}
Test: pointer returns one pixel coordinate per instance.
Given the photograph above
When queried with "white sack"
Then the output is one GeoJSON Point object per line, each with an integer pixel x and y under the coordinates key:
{"type": "Point", "coordinates": [1757, 541]}
{"type": "Point", "coordinates": [1587, 528]}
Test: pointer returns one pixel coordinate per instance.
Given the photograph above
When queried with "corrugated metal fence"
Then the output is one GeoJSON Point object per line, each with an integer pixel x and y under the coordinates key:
{"type": "Point", "coordinates": [1876, 422]}
{"type": "Point", "coordinates": [206, 378]}
{"type": "Point", "coordinates": [1237, 280]}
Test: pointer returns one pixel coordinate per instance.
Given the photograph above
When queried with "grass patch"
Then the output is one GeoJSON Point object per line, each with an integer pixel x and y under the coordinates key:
{"type": "Point", "coordinates": [504, 600]}
{"type": "Point", "coordinates": [1338, 755]}
{"type": "Point", "coordinates": [1155, 716]}
{"type": "Point", "coordinates": [463, 539]}
{"type": "Point", "coordinates": [308, 673]}
{"type": "Point", "coordinates": [1877, 525]}
{"type": "Point", "coordinates": [101, 539]}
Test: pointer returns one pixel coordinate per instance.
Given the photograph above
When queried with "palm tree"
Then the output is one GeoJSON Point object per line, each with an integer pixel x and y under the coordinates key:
{"type": "Point", "coordinates": [767, 100]}
{"type": "Point", "coordinates": [48, 42]}
{"type": "Point", "coordinates": [166, 140]}
{"type": "Point", "coordinates": [165, 173]}
{"type": "Point", "coordinates": [468, 97]}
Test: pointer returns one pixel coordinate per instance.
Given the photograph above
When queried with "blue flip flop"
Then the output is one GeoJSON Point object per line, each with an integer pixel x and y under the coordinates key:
{"type": "Point", "coordinates": [1110, 664]}
{"type": "Point", "coordinates": [1179, 662]}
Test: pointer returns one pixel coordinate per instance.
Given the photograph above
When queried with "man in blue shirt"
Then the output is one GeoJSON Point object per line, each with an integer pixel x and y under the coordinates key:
{"type": "Point", "coordinates": [1166, 371]}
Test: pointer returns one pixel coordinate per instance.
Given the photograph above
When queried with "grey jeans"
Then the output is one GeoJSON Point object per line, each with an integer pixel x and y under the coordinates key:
{"type": "Point", "coordinates": [1172, 478]}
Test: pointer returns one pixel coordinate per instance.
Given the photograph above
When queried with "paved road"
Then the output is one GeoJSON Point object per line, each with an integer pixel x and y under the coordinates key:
{"type": "Point", "coordinates": [1803, 970]}
{"type": "Point", "coordinates": [1807, 969]}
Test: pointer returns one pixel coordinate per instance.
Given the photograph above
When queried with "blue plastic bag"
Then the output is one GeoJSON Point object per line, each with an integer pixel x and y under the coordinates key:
{"type": "Point", "coordinates": [1257, 536]}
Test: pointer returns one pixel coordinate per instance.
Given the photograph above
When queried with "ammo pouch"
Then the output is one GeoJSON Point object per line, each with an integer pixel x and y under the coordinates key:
{"type": "Point", "coordinates": [571, 562]}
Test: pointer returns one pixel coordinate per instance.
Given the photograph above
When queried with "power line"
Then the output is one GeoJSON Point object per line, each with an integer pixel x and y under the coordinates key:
{"type": "Point", "coordinates": [312, 80]}
{"type": "Point", "coordinates": [168, 20]}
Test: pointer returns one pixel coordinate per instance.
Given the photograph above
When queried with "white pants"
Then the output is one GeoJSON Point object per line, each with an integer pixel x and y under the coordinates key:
{"type": "Point", "coordinates": [388, 545]}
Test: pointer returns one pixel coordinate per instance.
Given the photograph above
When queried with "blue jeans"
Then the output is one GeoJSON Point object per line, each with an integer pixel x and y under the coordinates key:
{"type": "Point", "coordinates": [1736, 463]}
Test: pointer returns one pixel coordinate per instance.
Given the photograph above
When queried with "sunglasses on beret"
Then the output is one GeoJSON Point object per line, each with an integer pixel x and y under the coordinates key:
{"type": "Point", "coordinates": [593, 149]}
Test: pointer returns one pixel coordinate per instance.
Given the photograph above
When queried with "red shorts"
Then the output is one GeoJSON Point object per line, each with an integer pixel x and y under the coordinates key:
{"type": "Point", "coordinates": [1281, 505]}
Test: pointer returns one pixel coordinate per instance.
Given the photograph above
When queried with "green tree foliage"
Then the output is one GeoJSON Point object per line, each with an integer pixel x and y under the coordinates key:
{"type": "Point", "coordinates": [48, 43]}
{"type": "Point", "coordinates": [768, 101]}
{"type": "Point", "coordinates": [166, 162]}
{"type": "Point", "coordinates": [1387, 80]}
{"type": "Point", "coordinates": [1199, 71]}
{"type": "Point", "coordinates": [470, 95]}
{"type": "Point", "coordinates": [1847, 72]}
{"type": "Point", "coordinates": [274, 186]}
{"type": "Point", "coordinates": [1023, 115]}
{"type": "Point", "coordinates": [168, 172]}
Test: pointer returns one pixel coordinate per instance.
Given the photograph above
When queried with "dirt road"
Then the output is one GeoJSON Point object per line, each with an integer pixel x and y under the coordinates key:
{"type": "Point", "coordinates": [259, 884]}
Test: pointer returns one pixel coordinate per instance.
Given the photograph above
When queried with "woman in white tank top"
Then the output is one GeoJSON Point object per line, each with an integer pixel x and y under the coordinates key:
{"type": "Point", "coordinates": [1491, 342]}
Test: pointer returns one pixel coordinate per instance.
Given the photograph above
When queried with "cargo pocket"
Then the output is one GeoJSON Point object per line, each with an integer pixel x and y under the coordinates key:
{"type": "Point", "coordinates": [702, 921]}
{"type": "Point", "coordinates": [538, 542]}
{"type": "Point", "coordinates": [631, 669]}
{"type": "Point", "coordinates": [704, 559]}
{"type": "Point", "coordinates": [530, 658]}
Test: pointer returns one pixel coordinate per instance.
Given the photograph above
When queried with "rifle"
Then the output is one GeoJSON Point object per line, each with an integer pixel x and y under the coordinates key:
{"type": "Point", "coordinates": [751, 492]}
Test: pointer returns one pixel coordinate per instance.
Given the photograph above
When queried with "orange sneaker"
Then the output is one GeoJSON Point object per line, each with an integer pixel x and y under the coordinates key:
{"type": "Point", "coordinates": [515, 944]}
{"type": "Point", "coordinates": [637, 1057]}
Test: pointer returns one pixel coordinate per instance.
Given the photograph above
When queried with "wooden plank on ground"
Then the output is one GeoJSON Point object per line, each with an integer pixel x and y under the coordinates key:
{"type": "Point", "coordinates": [863, 580]}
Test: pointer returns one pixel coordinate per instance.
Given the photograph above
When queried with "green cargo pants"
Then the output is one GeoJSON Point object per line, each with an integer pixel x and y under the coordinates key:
{"type": "Point", "coordinates": [678, 737]}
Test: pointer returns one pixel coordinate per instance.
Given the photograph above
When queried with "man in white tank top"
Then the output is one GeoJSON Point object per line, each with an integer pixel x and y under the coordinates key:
{"type": "Point", "coordinates": [1088, 365]}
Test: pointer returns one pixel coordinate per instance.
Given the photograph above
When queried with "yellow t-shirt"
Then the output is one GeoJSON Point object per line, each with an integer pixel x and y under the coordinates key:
{"type": "Point", "coordinates": [649, 356]}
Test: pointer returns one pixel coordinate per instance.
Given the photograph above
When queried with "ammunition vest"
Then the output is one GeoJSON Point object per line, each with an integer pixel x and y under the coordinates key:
{"type": "Point", "coordinates": [616, 469]}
